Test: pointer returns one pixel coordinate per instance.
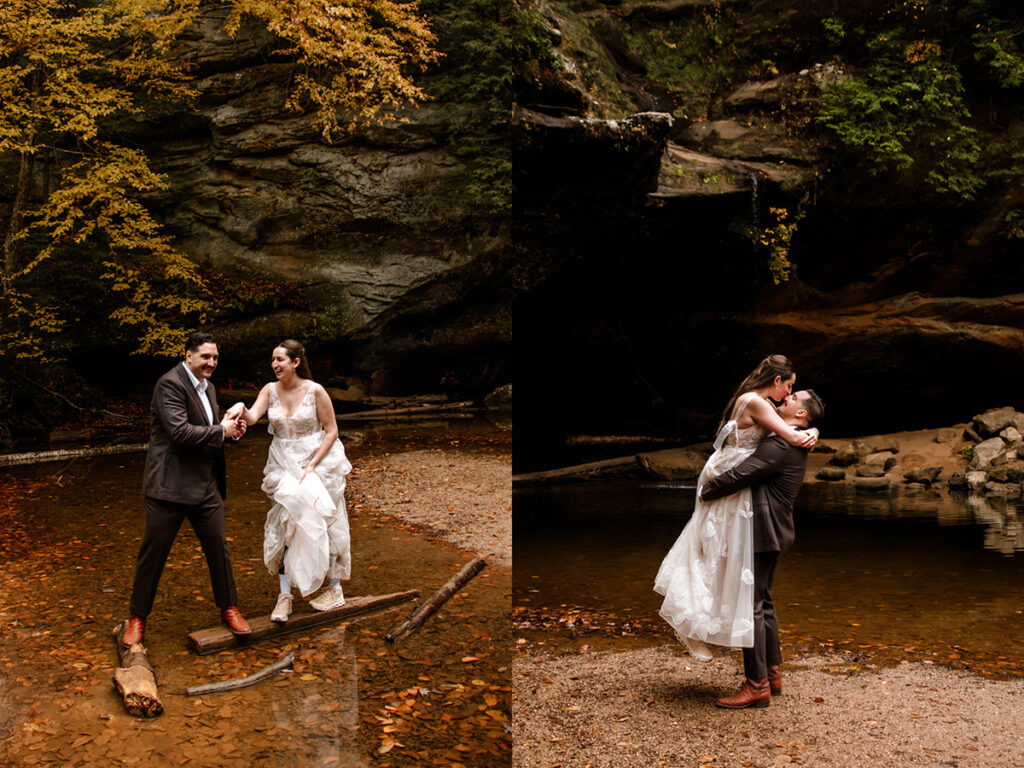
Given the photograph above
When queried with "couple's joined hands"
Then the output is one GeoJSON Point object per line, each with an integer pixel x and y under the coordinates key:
{"type": "Point", "coordinates": [233, 423]}
{"type": "Point", "coordinates": [234, 427]}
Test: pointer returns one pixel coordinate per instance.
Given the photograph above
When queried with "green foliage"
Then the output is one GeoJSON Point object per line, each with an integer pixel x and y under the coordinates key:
{"type": "Point", "coordinates": [480, 40]}
{"type": "Point", "coordinates": [1014, 221]}
{"type": "Point", "coordinates": [695, 60]}
{"type": "Point", "coordinates": [967, 452]}
{"type": "Point", "coordinates": [997, 43]}
{"type": "Point", "coordinates": [906, 108]}
{"type": "Point", "coordinates": [835, 30]}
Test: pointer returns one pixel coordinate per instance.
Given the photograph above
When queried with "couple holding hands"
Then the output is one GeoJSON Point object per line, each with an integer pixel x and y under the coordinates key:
{"type": "Point", "coordinates": [306, 536]}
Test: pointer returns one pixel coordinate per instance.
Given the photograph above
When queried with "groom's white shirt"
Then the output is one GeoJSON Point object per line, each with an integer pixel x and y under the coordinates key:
{"type": "Point", "coordinates": [201, 391]}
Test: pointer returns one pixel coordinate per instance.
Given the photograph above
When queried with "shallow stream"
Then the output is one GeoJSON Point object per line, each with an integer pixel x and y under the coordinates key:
{"type": "Point", "coordinates": [69, 534]}
{"type": "Point", "coordinates": [919, 576]}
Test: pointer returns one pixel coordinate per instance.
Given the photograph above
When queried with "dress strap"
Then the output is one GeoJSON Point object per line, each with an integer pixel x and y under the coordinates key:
{"type": "Point", "coordinates": [743, 402]}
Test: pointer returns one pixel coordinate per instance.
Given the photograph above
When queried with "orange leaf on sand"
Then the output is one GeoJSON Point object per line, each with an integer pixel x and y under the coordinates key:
{"type": "Point", "coordinates": [468, 659]}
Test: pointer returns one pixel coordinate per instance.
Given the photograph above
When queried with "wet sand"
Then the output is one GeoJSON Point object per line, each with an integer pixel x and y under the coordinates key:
{"type": "Point", "coordinates": [70, 534]}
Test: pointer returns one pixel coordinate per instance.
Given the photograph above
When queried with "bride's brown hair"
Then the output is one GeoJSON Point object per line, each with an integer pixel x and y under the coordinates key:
{"type": "Point", "coordinates": [297, 352]}
{"type": "Point", "coordinates": [762, 376]}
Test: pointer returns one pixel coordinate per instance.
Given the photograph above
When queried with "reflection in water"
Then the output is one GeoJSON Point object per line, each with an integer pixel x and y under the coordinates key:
{"type": "Point", "coordinates": [69, 535]}
{"type": "Point", "coordinates": [918, 568]}
{"type": "Point", "coordinates": [336, 744]}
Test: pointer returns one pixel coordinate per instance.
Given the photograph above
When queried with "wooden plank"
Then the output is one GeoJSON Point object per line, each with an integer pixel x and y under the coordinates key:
{"type": "Point", "coordinates": [219, 638]}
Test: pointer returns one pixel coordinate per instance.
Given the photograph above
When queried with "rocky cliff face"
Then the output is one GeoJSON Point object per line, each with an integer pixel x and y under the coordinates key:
{"type": "Point", "coordinates": [898, 304]}
{"type": "Point", "coordinates": [381, 260]}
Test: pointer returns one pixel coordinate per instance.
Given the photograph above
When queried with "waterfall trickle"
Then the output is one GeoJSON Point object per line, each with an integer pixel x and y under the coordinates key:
{"type": "Point", "coordinates": [755, 202]}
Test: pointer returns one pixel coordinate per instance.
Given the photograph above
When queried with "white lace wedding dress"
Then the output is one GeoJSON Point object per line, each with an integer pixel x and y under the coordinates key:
{"type": "Point", "coordinates": [707, 577]}
{"type": "Point", "coordinates": [307, 527]}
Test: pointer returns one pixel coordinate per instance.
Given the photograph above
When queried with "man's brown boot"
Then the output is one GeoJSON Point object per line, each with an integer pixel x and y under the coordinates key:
{"type": "Point", "coordinates": [133, 631]}
{"type": "Point", "coordinates": [753, 693]}
{"type": "Point", "coordinates": [775, 678]}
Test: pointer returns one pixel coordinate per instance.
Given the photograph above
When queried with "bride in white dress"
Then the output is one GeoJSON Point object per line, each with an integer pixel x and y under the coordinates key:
{"type": "Point", "coordinates": [306, 539]}
{"type": "Point", "coordinates": [707, 577]}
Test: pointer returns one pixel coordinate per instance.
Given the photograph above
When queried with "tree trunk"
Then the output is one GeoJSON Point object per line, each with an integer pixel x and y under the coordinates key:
{"type": "Point", "coordinates": [17, 217]}
{"type": "Point", "coordinates": [135, 680]}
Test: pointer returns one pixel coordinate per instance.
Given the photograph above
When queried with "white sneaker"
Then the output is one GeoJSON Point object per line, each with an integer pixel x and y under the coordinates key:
{"type": "Point", "coordinates": [332, 597]}
{"type": "Point", "coordinates": [283, 609]}
{"type": "Point", "coordinates": [695, 647]}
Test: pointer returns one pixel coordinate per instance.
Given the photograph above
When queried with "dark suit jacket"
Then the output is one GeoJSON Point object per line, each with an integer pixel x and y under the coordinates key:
{"type": "Point", "coordinates": [775, 471]}
{"type": "Point", "coordinates": [185, 461]}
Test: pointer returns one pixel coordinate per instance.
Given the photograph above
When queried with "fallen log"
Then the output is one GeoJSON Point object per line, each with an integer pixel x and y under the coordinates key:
{"type": "Point", "coordinates": [135, 680]}
{"type": "Point", "coordinates": [386, 412]}
{"type": "Point", "coordinates": [219, 638]}
{"type": "Point", "coordinates": [39, 457]}
{"type": "Point", "coordinates": [580, 470]}
{"type": "Point", "coordinates": [230, 685]}
{"type": "Point", "coordinates": [439, 598]}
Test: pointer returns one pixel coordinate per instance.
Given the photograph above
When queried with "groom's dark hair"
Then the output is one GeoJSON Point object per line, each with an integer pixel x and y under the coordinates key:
{"type": "Point", "coordinates": [197, 339]}
{"type": "Point", "coordinates": [814, 406]}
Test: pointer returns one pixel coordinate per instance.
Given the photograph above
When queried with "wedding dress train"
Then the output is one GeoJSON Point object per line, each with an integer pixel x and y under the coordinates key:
{"type": "Point", "coordinates": [707, 577]}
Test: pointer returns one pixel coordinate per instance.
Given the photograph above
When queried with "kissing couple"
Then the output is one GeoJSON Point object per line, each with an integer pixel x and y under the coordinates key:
{"type": "Point", "coordinates": [717, 578]}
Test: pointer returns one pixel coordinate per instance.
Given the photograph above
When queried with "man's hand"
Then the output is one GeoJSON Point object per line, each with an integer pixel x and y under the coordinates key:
{"type": "Point", "coordinates": [233, 427]}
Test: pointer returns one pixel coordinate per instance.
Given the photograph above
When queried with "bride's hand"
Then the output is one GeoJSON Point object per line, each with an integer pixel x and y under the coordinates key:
{"type": "Point", "coordinates": [810, 438]}
{"type": "Point", "coordinates": [234, 411]}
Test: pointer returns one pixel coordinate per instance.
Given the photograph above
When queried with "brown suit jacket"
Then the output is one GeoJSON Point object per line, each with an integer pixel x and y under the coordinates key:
{"type": "Point", "coordinates": [775, 472]}
{"type": "Point", "coordinates": [185, 461]}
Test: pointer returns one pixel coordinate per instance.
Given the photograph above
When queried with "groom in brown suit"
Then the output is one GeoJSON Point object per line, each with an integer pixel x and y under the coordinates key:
{"type": "Point", "coordinates": [184, 478]}
{"type": "Point", "coordinates": [775, 472]}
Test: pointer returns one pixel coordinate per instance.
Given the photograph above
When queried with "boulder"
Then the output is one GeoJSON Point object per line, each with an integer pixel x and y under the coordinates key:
{"type": "Point", "coordinates": [851, 454]}
{"type": "Point", "coordinates": [831, 473]}
{"type": "Point", "coordinates": [500, 399]}
{"type": "Point", "coordinates": [882, 459]}
{"type": "Point", "coordinates": [976, 480]}
{"type": "Point", "coordinates": [987, 453]}
{"type": "Point", "coordinates": [958, 480]}
{"type": "Point", "coordinates": [872, 483]}
{"type": "Point", "coordinates": [971, 435]}
{"type": "Point", "coordinates": [1010, 435]}
{"type": "Point", "coordinates": [947, 435]}
{"type": "Point", "coordinates": [924, 475]}
{"type": "Point", "coordinates": [993, 420]}
{"type": "Point", "coordinates": [869, 470]}
{"type": "Point", "coordinates": [1006, 475]}
{"type": "Point", "coordinates": [1018, 422]}
{"type": "Point", "coordinates": [883, 444]}
{"type": "Point", "coordinates": [761, 93]}
{"type": "Point", "coordinates": [354, 392]}
{"type": "Point", "coordinates": [675, 463]}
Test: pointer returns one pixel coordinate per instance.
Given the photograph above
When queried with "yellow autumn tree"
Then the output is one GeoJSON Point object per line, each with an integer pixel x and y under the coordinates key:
{"type": "Point", "coordinates": [70, 69]}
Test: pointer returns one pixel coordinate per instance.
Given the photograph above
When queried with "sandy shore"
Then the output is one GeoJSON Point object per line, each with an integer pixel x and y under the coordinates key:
{"type": "Point", "coordinates": [655, 707]}
{"type": "Point", "coordinates": [462, 498]}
